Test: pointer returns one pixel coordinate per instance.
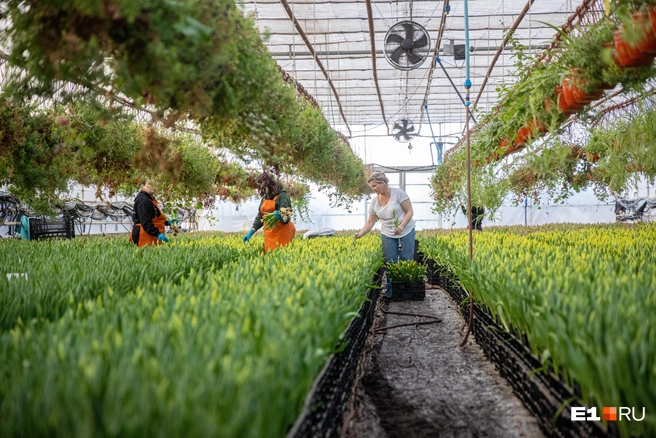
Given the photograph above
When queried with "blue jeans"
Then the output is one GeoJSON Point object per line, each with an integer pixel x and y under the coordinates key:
{"type": "Point", "coordinates": [393, 254]}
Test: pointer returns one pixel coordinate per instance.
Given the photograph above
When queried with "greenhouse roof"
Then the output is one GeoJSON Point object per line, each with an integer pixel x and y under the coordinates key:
{"type": "Point", "coordinates": [342, 78]}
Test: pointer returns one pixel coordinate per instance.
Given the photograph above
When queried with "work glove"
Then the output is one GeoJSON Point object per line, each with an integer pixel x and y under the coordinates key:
{"type": "Point", "coordinates": [170, 222]}
{"type": "Point", "coordinates": [277, 215]}
{"type": "Point", "coordinates": [162, 237]}
{"type": "Point", "coordinates": [248, 236]}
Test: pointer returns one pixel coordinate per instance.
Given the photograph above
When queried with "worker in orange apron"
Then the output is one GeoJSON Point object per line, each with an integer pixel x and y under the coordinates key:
{"type": "Point", "coordinates": [149, 221]}
{"type": "Point", "coordinates": [274, 197]}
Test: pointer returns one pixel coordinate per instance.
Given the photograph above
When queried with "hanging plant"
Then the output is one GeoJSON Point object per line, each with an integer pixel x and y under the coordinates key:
{"type": "Point", "coordinates": [574, 75]}
{"type": "Point", "coordinates": [34, 158]}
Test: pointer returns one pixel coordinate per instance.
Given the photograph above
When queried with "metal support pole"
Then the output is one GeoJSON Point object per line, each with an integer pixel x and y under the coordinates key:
{"type": "Point", "coordinates": [468, 85]}
{"type": "Point", "coordinates": [525, 212]}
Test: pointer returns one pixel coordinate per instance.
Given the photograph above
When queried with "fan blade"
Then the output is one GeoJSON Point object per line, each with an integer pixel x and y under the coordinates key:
{"type": "Point", "coordinates": [411, 128]}
{"type": "Point", "coordinates": [394, 38]}
{"type": "Point", "coordinates": [397, 126]}
{"type": "Point", "coordinates": [407, 137]}
{"type": "Point", "coordinates": [409, 30]}
{"type": "Point", "coordinates": [405, 124]}
{"type": "Point", "coordinates": [421, 42]}
{"type": "Point", "coordinates": [396, 54]}
{"type": "Point", "coordinates": [414, 58]}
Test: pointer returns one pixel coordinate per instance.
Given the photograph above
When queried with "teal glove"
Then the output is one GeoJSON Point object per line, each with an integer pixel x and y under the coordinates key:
{"type": "Point", "coordinates": [248, 236]}
{"type": "Point", "coordinates": [170, 222]}
{"type": "Point", "coordinates": [277, 215]}
{"type": "Point", "coordinates": [162, 237]}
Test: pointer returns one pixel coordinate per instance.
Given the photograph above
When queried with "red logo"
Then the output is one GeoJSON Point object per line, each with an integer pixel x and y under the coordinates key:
{"type": "Point", "coordinates": [610, 414]}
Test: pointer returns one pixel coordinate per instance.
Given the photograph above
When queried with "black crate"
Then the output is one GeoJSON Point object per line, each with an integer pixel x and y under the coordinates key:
{"type": "Point", "coordinates": [435, 274]}
{"type": "Point", "coordinates": [42, 228]}
{"type": "Point", "coordinates": [408, 291]}
{"type": "Point", "coordinates": [419, 256]}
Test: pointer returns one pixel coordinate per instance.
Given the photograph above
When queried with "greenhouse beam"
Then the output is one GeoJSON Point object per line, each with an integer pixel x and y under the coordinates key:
{"type": "Point", "coordinates": [301, 32]}
{"type": "Point", "coordinates": [501, 49]}
{"type": "Point", "coordinates": [373, 62]}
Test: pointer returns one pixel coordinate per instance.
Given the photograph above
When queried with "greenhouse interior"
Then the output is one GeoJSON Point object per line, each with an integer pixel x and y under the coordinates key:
{"type": "Point", "coordinates": [328, 218]}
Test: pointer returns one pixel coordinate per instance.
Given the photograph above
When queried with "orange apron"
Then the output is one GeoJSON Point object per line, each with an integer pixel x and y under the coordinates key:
{"type": "Point", "coordinates": [279, 236]}
{"type": "Point", "coordinates": [158, 221]}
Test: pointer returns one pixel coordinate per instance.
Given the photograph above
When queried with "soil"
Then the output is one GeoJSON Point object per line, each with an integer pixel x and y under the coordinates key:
{"type": "Point", "coordinates": [416, 381]}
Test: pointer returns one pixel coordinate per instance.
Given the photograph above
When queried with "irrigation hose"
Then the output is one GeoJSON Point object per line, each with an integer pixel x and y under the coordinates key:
{"type": "Point", "coordinates": [435, 319]}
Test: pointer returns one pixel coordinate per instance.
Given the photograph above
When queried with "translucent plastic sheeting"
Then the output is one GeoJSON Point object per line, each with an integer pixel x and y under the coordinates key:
{"type": "Point", "coordinates": [338, 32]}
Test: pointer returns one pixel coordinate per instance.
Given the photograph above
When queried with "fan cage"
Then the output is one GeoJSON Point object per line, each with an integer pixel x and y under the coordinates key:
{"type": "Point", "coordinates": [407, 58]}
{"type": "Point", "coordinates": [403, 130]}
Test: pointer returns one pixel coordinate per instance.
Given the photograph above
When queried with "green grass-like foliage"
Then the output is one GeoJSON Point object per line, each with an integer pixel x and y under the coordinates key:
{"type": "Point", "coordinates": [406, 271]}
{"type": "Point", "coordinates": [584, 295]}
{"type": "Point", "coordinates": [228, 352]}
{"type": "Point", "coordinates": [64, 274]}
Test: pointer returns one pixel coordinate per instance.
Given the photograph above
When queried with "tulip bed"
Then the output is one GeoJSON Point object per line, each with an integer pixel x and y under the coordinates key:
{"type": "Point", "coordinates": [584, 295]}
{"type": "Point", "coordinates": [203, 337]}
{"type": "Point", "coordinates": [63, 274]}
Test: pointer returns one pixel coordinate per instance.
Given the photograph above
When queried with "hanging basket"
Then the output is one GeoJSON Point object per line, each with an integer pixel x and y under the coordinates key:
{"type": "Point", "coordinates": [531, 130]}
{"type": "Point", "coordinates": [642, 25]}
{"type": "Point", "coordinates": [562, 104]}
{"type": "Point", "coordinates": [579, 94]}
{"type": "Point", "coordinates": [573, 95]}
{"type": "Point", "coordinates": [523, 135]}
{"type": "Point", "coordinates": [508, 148]}
{"type": "Point", "coordinates": [513, 148]}
{"type": "Point", "coordinates": [651, 11]}
{"type": "Point", "coordinates": [627, 55]}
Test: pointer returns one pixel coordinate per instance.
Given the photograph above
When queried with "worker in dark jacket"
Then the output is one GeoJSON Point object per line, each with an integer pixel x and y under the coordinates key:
{"type": "Point", "coordinates": [149, 221]}
{"type": "Point", "coordinates": [274, 199]}
{"type": "Point", "coordinates": [477, 215]}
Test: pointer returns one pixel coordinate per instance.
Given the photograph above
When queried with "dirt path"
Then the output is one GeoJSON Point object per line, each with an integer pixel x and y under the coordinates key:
{"type": "Point", "coordinates": [416, 381]}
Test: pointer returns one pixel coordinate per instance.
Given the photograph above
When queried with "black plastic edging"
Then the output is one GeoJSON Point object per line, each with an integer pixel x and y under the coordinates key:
{"type": "Point", "coordinates": [543, 393]}
{"type": "Point", "coordinates": [324, 406]}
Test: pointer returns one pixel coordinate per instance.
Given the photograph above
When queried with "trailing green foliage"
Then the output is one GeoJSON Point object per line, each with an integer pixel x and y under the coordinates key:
{"type": "Point", "coordinates": [585, 57]}
{"type": "Point", "coordinates": [626, 149]}
{"type": "Point", "coordinates": [292, 136]}
{"type": "Point", "coordinates": [43, 151]}
{"type": "Point", "coordinates": [31, 155]}
{"type": "Point", "coordinates": [199, 60]}
{"type": "Point", "coordinates": [191, 57]}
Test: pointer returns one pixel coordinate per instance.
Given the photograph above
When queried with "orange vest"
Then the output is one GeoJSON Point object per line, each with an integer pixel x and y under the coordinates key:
{"type": "Point", "coordinates": [158, 221]}
{"type": "Point", "coordinates": [279, 236]}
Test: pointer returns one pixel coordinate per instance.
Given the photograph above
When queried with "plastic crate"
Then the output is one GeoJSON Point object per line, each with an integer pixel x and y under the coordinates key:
{"type": "Point", "coordinates": [408, 291]}
{"type": "Point", "coordinates": [434, 273]}
{"type": "Point", "coordinates": [42, 228]}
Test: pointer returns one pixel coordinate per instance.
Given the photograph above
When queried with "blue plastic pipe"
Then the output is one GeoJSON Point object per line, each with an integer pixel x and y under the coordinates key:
{"type": "Point", "coordinates": [467, 77]}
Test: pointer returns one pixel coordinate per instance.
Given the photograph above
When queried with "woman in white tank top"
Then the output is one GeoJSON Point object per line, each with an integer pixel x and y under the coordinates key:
{"type": "Point", "coordinates": [394, 209]}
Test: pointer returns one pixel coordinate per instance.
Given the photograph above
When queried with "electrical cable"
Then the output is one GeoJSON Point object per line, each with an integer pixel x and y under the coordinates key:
{"type": "Point", "coordinates": [439, 61]}
{"type": "Point", "coordinates": [433, 134]}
